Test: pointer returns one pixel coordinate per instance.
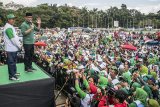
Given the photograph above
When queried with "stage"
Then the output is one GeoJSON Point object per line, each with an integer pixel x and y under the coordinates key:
{"type": "Point", "coordinates": [34, 89]}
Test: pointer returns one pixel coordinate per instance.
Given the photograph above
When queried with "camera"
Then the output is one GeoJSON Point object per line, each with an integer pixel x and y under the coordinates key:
{"type": "Point", "coordinates": [74, 100]}
{"type": "Point", "coordinates": [110, 91]}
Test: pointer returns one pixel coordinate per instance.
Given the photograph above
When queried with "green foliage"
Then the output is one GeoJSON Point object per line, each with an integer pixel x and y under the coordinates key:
{"type": "Point", "coordinates": [65, 16]}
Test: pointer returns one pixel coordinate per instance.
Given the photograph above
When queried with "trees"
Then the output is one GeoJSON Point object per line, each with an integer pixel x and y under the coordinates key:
{"type": "Point", "coordinates": [2, 17]}
{"type": "Point", "coordinates": [65, 16]}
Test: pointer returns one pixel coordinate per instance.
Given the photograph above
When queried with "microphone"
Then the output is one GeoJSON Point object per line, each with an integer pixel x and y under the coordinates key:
{"type": "Point", "coordinates": [30, 21]}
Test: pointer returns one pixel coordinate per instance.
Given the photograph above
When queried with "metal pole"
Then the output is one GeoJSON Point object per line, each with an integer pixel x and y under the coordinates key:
{"type": "Point", "coordinates": [96, 21]}
{"type": "Point", "coordinates": [112, 23]}
{"type": "Point", "coordinates": [105, 23]}
{"type": "Point", "coordinates": [88, 19]}
{"type": "Point", "coordinates": [73, 22]}
{"type": "Point", "coordinates": [143, 23]}
{"type": "Point", "coordinates": [83, 21]}
{"type": "Point", "coordinates": [108, 22]}
{"type": "Point", "coordinates": [124, 23]}
{"type": "Point", "coordinates": [130, 23]}
{"type": "Point", "coordinates": [101, 22]}
{"type": "Point", "coordinates": [127, 23]}
{"type": "Point", "coordinates": [78, 21]}
{"type": "Point", "coordinates": [133, 22]}
{"type": "Point", "coordinates": [92, 21]}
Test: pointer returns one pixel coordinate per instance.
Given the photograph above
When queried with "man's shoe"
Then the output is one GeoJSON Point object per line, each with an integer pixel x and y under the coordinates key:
{"type": "Point", "coordinates": [17, 74]}
{"type": "Point", "coordinates": [33, 68]}
{"type": "Point", "coordinates": [29, 70]}
{"type": "Point", "coordinates": [14, 79]}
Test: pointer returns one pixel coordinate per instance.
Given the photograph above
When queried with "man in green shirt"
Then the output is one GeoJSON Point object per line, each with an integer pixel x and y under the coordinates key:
{"type": "Point", "coordinates": [28, 29]}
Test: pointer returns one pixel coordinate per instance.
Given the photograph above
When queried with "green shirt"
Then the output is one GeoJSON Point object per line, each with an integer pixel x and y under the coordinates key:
{"type": "Point", "coordinates": [132, 61]}
{"type": "Point", "coordinates": [81, 93]}
{"type": "Point", "coordinates": [28, 38]}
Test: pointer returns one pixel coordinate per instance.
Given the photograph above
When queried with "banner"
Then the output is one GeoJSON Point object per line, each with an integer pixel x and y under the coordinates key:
{"type": "Point", "coordinates": [116, 23]}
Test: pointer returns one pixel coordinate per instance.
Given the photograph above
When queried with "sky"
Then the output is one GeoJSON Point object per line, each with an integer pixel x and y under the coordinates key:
{"type": "Point", "coordinates": [145, 6]}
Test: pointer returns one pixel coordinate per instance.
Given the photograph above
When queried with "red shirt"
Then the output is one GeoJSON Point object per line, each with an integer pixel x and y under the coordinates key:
{"type": "Point", "coordinates": [103, 102]}
{"type": "Point", "coordinates": [93, 88]}
{"type": "Point", "coordinates": [115, 34]}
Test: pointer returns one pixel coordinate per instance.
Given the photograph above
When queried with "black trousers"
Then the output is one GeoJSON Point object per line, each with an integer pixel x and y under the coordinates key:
{"type": "Point", "coordinates": [28, 56]}
{"type": "Point", "coordinates": [11, 62]}
{"type": "Point", "coordinates": [0, 56]}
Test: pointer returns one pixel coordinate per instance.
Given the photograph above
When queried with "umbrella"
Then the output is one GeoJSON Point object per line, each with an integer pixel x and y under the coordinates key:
{"type": "Point", "coordinates": [129, 47]}
{"type": "Point", "coordinates": [40, 44]}
{"type": "Point", "coordinates": [148, 40]}
{"type": "Point", "coordinates": [153, 43]}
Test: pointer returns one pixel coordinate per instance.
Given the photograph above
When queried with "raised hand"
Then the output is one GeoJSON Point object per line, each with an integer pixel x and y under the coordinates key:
{"type": "Point", "coordinates": [38, 20]}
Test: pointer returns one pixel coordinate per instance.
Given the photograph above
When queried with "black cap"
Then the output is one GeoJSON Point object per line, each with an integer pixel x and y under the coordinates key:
{"type": "Point", "coordinates": [28, 14]}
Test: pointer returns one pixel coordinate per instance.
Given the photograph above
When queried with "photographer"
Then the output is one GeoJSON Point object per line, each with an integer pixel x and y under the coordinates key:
{"type": "Point", "coordinates": [86, 98]}
{"type": "Point", "coordinates": [118, 100]}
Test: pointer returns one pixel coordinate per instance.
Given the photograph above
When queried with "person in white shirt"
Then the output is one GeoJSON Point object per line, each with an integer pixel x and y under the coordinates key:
{"type": "Point", "coordinates": [12, 45]}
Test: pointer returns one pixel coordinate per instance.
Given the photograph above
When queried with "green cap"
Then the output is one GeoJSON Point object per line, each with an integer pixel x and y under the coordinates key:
{"type": "Point", "coordinates": [114, 68]}
{"type": "Point", "coordinates": [10, 16]}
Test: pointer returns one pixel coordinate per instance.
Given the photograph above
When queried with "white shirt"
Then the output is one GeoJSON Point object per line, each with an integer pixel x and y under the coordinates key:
{"type": "Point", "coordinates": [9, 46]}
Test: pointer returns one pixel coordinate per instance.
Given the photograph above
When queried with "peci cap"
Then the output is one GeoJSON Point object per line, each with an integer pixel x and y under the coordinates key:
{"type": "Point", "coordinates": [28, 14]}
{"type": "Point", "coordinates": [10, 16]}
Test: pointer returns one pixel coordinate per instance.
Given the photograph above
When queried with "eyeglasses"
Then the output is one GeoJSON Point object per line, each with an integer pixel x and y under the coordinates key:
{"type": "Point", "coordinates": [29, 17]}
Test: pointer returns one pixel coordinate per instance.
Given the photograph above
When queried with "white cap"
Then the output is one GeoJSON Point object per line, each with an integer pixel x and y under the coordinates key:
{"type": "Point", "coordinates": [140, 60]}
{"type": "Point", "coordinates": [81, 67]}
{"type": "Point", "coordinates": [94, 68]}
{"type": "Point", "coordinates": [121, 66]}
{"type": "Point", "coordinates": [103, 65]}
{"type": "Point", "coordinates": [99, 59]}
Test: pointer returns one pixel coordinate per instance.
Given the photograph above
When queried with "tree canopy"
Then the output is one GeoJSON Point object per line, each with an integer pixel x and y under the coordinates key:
{"type": "Point", "coordinates": [65, 16]}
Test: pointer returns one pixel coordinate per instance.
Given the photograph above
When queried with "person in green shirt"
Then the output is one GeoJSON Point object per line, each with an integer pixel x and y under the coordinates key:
{"type": "Point", "coordinates": [143, 70]}
{"type": "Point", "coordinates": [86, 98]}
{"type": "Point", "coordinates": [140, 98]}
{"type": "Point", "coordinates": [28, 29]}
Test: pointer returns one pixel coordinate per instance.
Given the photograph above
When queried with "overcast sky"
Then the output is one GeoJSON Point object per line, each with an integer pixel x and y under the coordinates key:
{"type": "Point", "coordinates": [145, 6]}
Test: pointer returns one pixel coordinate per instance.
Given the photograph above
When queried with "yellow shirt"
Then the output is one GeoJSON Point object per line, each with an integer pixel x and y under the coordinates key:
{"type": "Point", "coordinates": [143, 70]}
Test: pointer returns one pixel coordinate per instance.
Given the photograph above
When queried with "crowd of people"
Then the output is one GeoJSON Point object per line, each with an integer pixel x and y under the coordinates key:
{"type": "Point", "coordinates": [100, 70]}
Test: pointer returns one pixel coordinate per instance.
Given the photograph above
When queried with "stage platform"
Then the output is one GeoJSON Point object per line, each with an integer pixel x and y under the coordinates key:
{"type": "Point", "coordinates": [34, 89]}
{"type": "Point", "coordinates": [24, 76]}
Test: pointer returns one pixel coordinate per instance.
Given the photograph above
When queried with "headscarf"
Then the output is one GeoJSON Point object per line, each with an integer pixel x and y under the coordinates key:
{"type": "Point", "coordinates": [127, 77]}
{"type": "Point", "coordinates": [125, 90]}
{"type": "Point", "coordinates": [136, 85]}
{"type": "Point", "coordinates": [153, 103]}
{"type": "Point", "coordinates": [144, 70]}
{"type": "Point", "coordinates": [103, 82]}
{"type": "Point", "coordinates": [148, 90]}
{"type": "Point", "coordinates": [154, 74]}
{"type": "Point", "coordinates": [141, 95]}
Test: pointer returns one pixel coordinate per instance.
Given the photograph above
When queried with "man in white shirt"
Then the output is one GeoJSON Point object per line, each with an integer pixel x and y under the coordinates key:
{"type": "Point", "coordinates": [12, 45]}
